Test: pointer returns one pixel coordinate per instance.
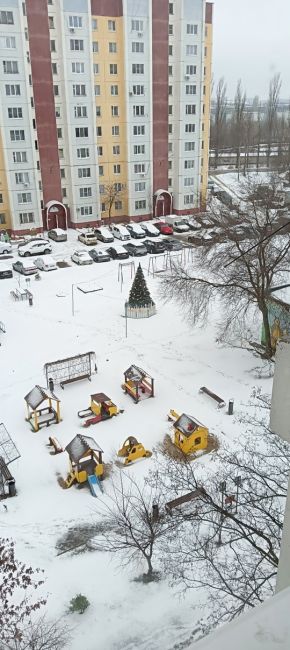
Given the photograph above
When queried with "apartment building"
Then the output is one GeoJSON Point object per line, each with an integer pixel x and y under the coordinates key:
{"type": "Point", "coordinates": [104, 109]}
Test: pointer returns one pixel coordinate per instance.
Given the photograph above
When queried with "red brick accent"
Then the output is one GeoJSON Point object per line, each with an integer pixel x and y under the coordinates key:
{"type": "Point", "coordinates": [112, 8]}
{"type": "Point", "coordinates": [208, 12]}
{"type": "Point", "coordinates": [25, 232]}
{"type": "Point", "coordinates": [160, 40]}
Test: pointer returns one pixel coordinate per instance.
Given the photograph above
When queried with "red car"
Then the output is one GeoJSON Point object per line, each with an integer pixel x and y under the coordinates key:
{"type": "Point", "coordinates": [163, 228]}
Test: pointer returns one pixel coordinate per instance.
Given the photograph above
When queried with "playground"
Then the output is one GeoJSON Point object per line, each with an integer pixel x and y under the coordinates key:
{"type": "Point", "coordinates": [179, 358]}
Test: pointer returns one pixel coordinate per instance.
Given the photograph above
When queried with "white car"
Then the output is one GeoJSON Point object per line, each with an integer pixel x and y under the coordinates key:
{"type": "Point", "coordinates": [5, 248]}
{"type": "Point", "coordinates": [88, 238]}
{"type": "Point", "coordinates": [81, 257]}
{"type": "Point", "coordinates": [120, 232]}
{"type": "Point", "coordinates": [35, 247]}
{"type": "Point", "coordinates": [45, 263]}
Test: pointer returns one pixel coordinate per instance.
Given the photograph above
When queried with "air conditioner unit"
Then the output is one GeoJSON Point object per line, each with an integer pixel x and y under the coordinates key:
{"type": "Point", "coordinates": [140, 34]}
{"type": "Point", "coordinates": [25, 184]}
{"type": "Point", "coordinates": [71, 29]}
{"type": "Point", "coordinates": [131, 92]}
{"type": "Point", "coordinates": [142, 175]}
{"type": "Point", "coordinates": [187, 76]}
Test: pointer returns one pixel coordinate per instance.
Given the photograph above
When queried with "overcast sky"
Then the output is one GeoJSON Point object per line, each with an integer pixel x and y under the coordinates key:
{"type": "Point", "coordinates": [252, 42]}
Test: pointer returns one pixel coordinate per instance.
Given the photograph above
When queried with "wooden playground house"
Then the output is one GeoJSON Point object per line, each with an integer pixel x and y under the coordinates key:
{"type": "Point", "coordinates": [189, 434]}
{"type": "Point", "coordinates": [138, 383]}
{"type": "Point", "coordinates": [86, 460]}
{"type": "Point", "coordinates": [7, 481]}
{"type": "Point", "coordinates": [8, 454]}
{"type": "Point", "coordinates": [101, 408]}
{"type": "Point", "coordinates": [48, 414]}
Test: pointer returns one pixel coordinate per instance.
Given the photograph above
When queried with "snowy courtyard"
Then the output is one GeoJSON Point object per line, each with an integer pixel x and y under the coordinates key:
{"type": "Point", "coordinates": [123, 614]}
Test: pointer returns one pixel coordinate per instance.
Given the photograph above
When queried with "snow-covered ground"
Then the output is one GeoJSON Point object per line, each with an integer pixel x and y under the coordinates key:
{"type": "Point", "coordinates": [123, 614]}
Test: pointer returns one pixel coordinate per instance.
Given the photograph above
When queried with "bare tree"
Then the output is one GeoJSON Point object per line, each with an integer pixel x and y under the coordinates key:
{"type": "Point", "coordinates": [227, 269]}
{"type": "Point", "coordinates": [112, 193]}
{"type": "Point", "coordinates": [40, 634]}
{"type": "Point", "coordinates": [131, 527]}
{"type": "Point", "coordinates": [228, 543]}
{"type": "Point", "coordinates": [219, 118]}
{"type": "Point", "coordinates": [271, 114]}
{"type": "Point", "coordinates": [238, 122]}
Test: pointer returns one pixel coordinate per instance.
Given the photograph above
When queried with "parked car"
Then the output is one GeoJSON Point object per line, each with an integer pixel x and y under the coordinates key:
{"type": "Point", "coordinates": [150, 229]}
{"type": "Point", "coordinates": [104, 234]}
{"type": "Point", "coordinates": [26, 267]}
{"type": "Point", "coordinates": [118, 253]}
{"type": "Point", "coordinates": [137, 249]}
{"type": "Point", "coordinates": [136, 231]}
{"type": "Point", "coordinates": [181, 226]}
{"type": "Point", "coordinates": [99, 256]}
{"type": "Point", "coordinates": [193, 224]}
{"type": "Point", "coordinates": [45, 263]}
{"type": "Point", "coordinates": [173, 245]}
{"type": "Point", "coordinates": [5, 248]}
{"type": "Point", "coordinates": [35, 247]}
{"type": "Point", "coordinates": [154, 246]}
{"type": "Point", "coordinates": [57, 234]}
{"type": "Point", "coordinates": [163, 228]}
{"type": "Point", "coordinates": [81, 257]}
{"type": "Point", "coordinates": [5, 271]}
{"type": "Point", "coordinates": [88, 238]}
{"type": "Point", "coordinates": [120, 232]}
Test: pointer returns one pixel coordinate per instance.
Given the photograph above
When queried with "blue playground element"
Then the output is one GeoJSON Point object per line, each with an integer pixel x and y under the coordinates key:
{"type": "Point", "coordinates": [94, 484]}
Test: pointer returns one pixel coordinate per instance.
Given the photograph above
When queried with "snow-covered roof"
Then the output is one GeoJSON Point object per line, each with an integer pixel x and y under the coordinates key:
{"type": "Point", "coordinates": [187, 424]}
{"type": "Point", "coordinates": [80, 445]}
{"type": "Point", "coordinates": [8, 450]}
{"type": "Point", "coordinates": [135, 373]}
{"type": "Point", "coordinates": [37, 395]}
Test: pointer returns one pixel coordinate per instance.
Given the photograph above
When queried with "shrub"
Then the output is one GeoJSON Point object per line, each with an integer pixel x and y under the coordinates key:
{"type": "Point", "coordinates": [78, 604]}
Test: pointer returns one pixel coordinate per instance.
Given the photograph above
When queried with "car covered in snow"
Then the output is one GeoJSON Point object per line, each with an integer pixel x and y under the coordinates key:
{"type": "Point", "coordinates": [120, 232]}
{"type": "Point", "coordinates": [35, 247]}
{"type": "Point", "coordinates": [118, 253]}
{"type": "Point", "coordinates": [136, 231]}
{"type": "Point", "coordinates": [181, 226]}
{"type": "Point", "coordinates": [150, 229]}
{"type": "Point", "coordinates": [5, 248]}
{"type": "Point", "coordinates": [5, 271]}
{"type": "Point", "coordinates": [137, 249]}
{"type": "Point", "coordinates": [81, 257]}
{"type": "Point", "coordinates": [45, 263]}
{"type": "Point", "coordinates": [57, 234]}
{"type": "Point", "coordinates": [173, 244]}
{"type": "Point", "coordinates": [26, 267]}
{"type": "Point", "coordinates": [154, 246]}
{"type": "Point", "coordinates": [163, 228]}
{"type": "Point", "coordinates": [103, 234]}
{"type": "Point", "coordinates": [99, 256]}
{"type": "Point", "coordinates": [88, 238]}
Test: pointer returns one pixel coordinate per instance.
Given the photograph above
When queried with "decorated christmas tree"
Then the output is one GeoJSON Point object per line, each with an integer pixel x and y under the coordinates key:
{"type": "Point", "coordinates": [139, 294]}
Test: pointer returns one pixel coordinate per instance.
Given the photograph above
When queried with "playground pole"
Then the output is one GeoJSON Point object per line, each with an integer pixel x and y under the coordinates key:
{"type": "Point", "coordinates": [72, 300]}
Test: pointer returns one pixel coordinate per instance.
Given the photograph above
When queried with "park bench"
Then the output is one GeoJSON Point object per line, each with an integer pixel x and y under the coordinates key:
{"type": "Point", "coordinates": [220, 402]}
{"type": "Point", "coordinates": [53, 442]}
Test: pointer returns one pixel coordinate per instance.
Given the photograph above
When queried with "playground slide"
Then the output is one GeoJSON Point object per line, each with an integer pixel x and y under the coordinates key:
{"type": "Point", "coordinates": [94, 484]}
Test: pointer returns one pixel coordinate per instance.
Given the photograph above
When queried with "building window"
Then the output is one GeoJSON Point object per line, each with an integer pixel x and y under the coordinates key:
{"type": "Point", "coordinates": [17, 135]}
{"type": "Point", "coordinates": [62, 172]}
{"type": "Point", "coordinates": [112, 48]}
{"type": "Point", "coordinates": [103, 207]}
{"type": "Point", "coordinates": [8, 42]}
{"type": "Point", "coordinates": [101, 170]}
{"type": "Point", "coordinates": [99, 131]}
{"type": "Point", "coordinates": [170, 50]}
{"type": "Point", "coordinates": [76, 45]}
{"type": "Point", "coordinates": [52, 46]}
{"type": "Point", "coordinates": [140, 205]}
{"type": "Point", "coordinates": [86, 210]}
{"type": "Point", "coordinates": [111, 25]}
{"type": "Point", "coordinates": [139, 129]}
{"type": "Point", "coordinates": [170, 128]}
{"type": "Point", "coordinates": [10, 67]}
{"type": "Point", "coordinates": [116, 149]}
{"type": "Point", "coordinates": [55, 91]}
{"type": "Point", "coordinates": [94, 24]}
{"type": "Point", "coordinates": [84, 152]}
{"type": "Point", "coordinates": [191, 69]}
{"type": "Point", "coordinates": [59, 133]}
{"type": "Point", "coordinates": [170, 29]}
{"type": "Point", "coordinates": [139, 168]}
{"type": "Point", "coordinates": [139, 149]}
{"type": "Point", "coordinates": [170, 70]}
{"type": "Point", "coordinates": [80, 111]}
{"type": "Point", "coordinates": [12, 89]}
{"type": "Point", "coordinates": [85, 192]}
{"type": "Point", "coordinates": [138, 68]}
{"type": "Point", "coordinates": [114, 90]}
{"type": "Point", "coordinates": [60, 153]}
{"type": "Point", "coordinates": [79, 90]}
{"type": "Point", "coordinates": [95, 46]}
{"type": "Point", "coordinates": [84, 172]}
{"type": "Point", "coordinates": [188, 182]}
{"type": "Point", "coordinates": [15, 112]}
{"type": "Point", "coordinates": [190, 109]}
{"type": "Point", "coordinates": [118, 205]}
{"type": "Point", "coordinates": [137, 25]}
{"type": "Point", "coordinates": [139, 110]}
{"type": "Point", "coordinates": [117, 169]}
{"type": "Point", "coordinates": [82, 132]}
{"type": "Point", "coordinates": [113, 68]}
{"type": "Point", "coordinates": [191, 29]}
{"type": "Point", "coordinates": [2, 218]}
{"type": "Point", "coordinates": [118, 187]}
{"type": "Point", "coordinates": [189, 146]}
{"type": "Point", "coordinates": [189, 128]}
{"type": "Point", "coordinates": [205, 51]}
{"type": "Point", "coordinates": [1, 198]}
{"type": "Point", "coordinates": [20, 156]}
{"type": "Point", "coordinates": [75, 22]}
{"type": "Point", "coordinates": [137, 47]}
{"type": "Point", "coordinates": [170, 8]}
{"type": "Point", "coordinates": [77, 67]}
{"type": "Point", "coordinates": [50, 22]}
{"type": "Point", "coordinates": [115, 111]}
{"type": "Point", "coordinates": [169, 90]}
{"type": "Point", "coordinates": [98, 111]}
{"type": "Point", "coordinates": [64, 192]}
{"type": "Point", "coordinates": [96, 68]}
{"type": "Point", "coordinates": [54, 68]}
{"type": "Point", "coordinates": [140, 187]}
{"type": "Point", "coordinates": [138, 90]}
{"type": "Point", "coordinates": [188, 164]}
{"type": "Point", "coordinates": [170, 109]}
{"type": "Point", "coordinates": [101, 189]}
{"type": "Point", "coordinates": [188, 199]}
{"type": "Point", "coordinates": [97, 90]}
{"type": "Point", "coordinates": [26, 217]}
{"type": "Point", "coordinates": [115, 130]}
{"type": "Point", "coordinates": [6, 18]}
{"type": "Point", "coordinates": [191, 50]}
{"type": "Point", "coordinates": [100, 150]}
{"type": "Point", "coordinates": [24, 197]}
{"type": "Point", "coordinates": [190, 90]}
